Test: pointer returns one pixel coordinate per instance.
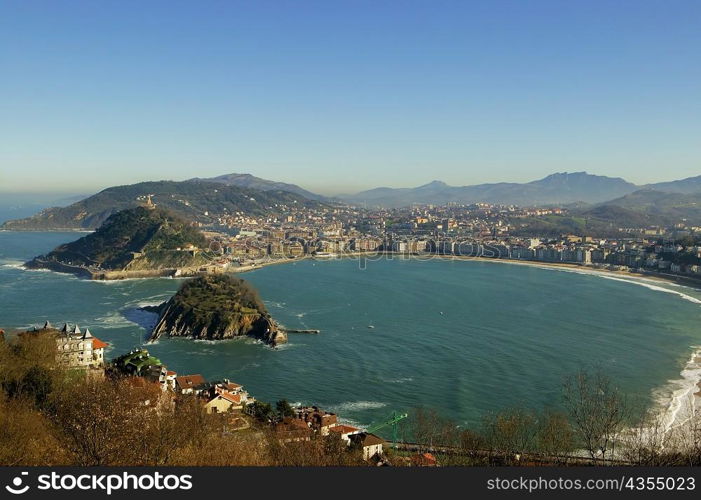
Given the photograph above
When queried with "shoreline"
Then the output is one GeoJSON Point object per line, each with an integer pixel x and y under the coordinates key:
{"type": "Point", "coordinates": [116, 275]}
{"type": "Point", "coordinates": [669, 400]}
{"type": "Point", "coordinates": [687, 281]}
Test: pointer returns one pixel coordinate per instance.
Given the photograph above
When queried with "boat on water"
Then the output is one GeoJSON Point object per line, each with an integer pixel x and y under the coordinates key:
{"type": "Point", "coordinates": [371, 326]}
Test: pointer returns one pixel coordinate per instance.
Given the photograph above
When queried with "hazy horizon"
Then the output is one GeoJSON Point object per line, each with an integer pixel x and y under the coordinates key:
{"type": "Point", "coordinates": [62, 196]}
{"type": "Point", "coordinates": [338, 98]}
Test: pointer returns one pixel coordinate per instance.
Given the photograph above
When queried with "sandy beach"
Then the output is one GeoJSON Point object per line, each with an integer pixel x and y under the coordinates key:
{"type": "Point", "coordinates": [589, 269]}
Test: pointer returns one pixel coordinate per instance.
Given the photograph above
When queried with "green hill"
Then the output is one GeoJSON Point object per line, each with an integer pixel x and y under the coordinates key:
{"type": "Point", "coordinates": [643, 208]}
{"type": "Point", "coordinates": [135, 239]}
{"type": "Point", "coordinates": [654, 207]}
{"type": "Point", "coordinates": [217, 307]}
{"type": "Point", "coordinates": [191, 200]}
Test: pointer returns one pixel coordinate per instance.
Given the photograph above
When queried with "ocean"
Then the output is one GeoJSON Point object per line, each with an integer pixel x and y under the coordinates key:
{"type": "Point", "coordinates": [463, 337]}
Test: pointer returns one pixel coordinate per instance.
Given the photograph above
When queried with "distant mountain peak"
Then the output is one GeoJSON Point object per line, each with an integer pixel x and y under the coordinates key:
{"type": "Point", "coordinates": [434, 184]}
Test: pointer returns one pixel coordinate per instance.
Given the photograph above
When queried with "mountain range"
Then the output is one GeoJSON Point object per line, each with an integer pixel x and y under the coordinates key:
{"type": "Point", "coordinates": [595, 197]}
{"type": "Point", "coordinates": [556, 189]}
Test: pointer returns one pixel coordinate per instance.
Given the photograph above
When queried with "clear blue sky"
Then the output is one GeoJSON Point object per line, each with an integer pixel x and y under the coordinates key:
{"type": "Point", "coordinates": [342, 95]}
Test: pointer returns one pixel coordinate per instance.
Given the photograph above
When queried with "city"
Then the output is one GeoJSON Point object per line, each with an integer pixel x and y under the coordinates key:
{"type": "Point", "coordinates": [479, 230]}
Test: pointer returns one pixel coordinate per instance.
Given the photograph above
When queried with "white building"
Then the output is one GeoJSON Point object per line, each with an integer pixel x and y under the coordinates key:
{"type": "Point", "coordinates": [76, 349]}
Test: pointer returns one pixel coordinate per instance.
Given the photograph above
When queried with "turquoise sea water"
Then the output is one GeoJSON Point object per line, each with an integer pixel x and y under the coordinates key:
{"type": "Point", "coordinates": [506, 336]}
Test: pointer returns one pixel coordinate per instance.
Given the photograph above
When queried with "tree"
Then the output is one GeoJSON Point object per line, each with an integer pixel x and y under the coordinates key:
{"type": "Point", "coordinates": [262, 411]}
{"type": "Point", "coordinates": [104, 422]}
{"type": "Point", "coordinates": [511, 431]}
{"type": "Point", "coordinates": [597, 410]}
{"type": "Point", "coordinates": [430, 429]}
{"type": "Point", "coordinates": [554, 435]}
{"type": "Point", "coordinates": [283, 409]}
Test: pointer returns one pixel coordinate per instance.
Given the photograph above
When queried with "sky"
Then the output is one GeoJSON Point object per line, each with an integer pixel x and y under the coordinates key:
{"type": "Point", "coordinates": [339, 96]}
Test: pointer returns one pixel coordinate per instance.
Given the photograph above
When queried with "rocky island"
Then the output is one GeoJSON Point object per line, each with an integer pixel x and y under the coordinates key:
{"type": "Point", "coordinates": [216, 307]}
{"type": "Point", "coordinates": [134, 243]}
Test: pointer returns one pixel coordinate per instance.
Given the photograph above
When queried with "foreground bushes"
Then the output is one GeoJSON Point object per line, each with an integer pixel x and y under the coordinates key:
{"type": "Point", "coordinates": [51, 416]}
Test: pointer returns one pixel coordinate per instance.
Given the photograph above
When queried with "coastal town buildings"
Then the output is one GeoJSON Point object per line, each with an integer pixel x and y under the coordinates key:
{"type": "Point", "coordinates": [475, 230]}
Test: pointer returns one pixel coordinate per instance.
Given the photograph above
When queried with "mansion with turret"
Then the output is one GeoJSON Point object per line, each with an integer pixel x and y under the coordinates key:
{"type": "Point", "coordinates": [76, 348]}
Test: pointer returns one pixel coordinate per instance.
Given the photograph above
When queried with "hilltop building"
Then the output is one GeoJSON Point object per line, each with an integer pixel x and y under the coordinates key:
{"type": "Point", "coordinates": [75, 348]}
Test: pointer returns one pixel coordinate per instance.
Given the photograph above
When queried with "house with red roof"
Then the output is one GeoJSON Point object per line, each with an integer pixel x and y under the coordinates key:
{"type": "Point", "coordinates": [190, 384]}
{"type": "Point", "coordinates": [343, 431]}
{"type": "Point", "coordinates": [224, 402]}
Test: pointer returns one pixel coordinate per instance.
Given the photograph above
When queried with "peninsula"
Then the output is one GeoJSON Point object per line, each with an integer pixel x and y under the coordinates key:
{"type": "Point", "coordinates": [133, 243]}
{"type": "Point", "coordinates": [216, 307]}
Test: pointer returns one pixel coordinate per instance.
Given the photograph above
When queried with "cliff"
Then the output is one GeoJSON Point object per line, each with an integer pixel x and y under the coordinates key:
{"type": "Point", "coordinates": [215, 308]}
{"type": "Point", "coordinates": [134, 241]}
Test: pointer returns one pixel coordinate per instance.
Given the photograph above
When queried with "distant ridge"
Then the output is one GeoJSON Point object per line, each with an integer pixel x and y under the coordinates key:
{"type": "Point", "coordinates": [251, 182]}
{"type": "Point", "coordinates": [687, 186]}
{"type": "Point", "coordinates": [559, 188]}
{"type": "Point", "coordinates": [650, 206]}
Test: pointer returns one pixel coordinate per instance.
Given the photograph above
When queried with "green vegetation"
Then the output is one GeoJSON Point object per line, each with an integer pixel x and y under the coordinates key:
{"type": "Point", "coordinates": [217, 307]}
{"type": "Point", "coordinates": [191, 200]}
{"type": "Point", "coordinates": [262, 411]}
{"type": "Point", "coordinates": [284, 409]}
{"type": "Point", "coordinates": [219, 294]}
{"type": "Point", "coordinates": [135, 239]}
{"type": "Point", "coordinates": [640, 209]}
{"type": "Point", "coordinates": [556, 225]}
{"type": "Point", "coordinates": [648, 207]}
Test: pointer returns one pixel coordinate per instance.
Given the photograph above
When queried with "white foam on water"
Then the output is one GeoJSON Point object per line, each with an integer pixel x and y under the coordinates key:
{"type": "Point", "coordinates": [286, 346]}
{"type": "Point", "coordinates": [656, 288]}
{"type": "Point", "coordinates": [400, 380]}
{"type": "Point", "coordinates": [146, 303]}
{"type": "Point", "coordinates": [114, 320]}
{"type": "Point", "coordinates": [349, 421]}
{"type": "Point", "coordinates": [216, 342]}
{"type": "Point", "coordinates": [12, 264]}
{"type": "Point", "coordinates": [357, 406]}
{"type": "Point", "coordinates": [677, 403]}
{"type": "Point", "coordinates": [154, 300]}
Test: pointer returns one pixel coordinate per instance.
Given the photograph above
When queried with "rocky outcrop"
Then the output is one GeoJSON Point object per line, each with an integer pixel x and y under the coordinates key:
{"type": "Point", "coordinates": [215, 308]}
